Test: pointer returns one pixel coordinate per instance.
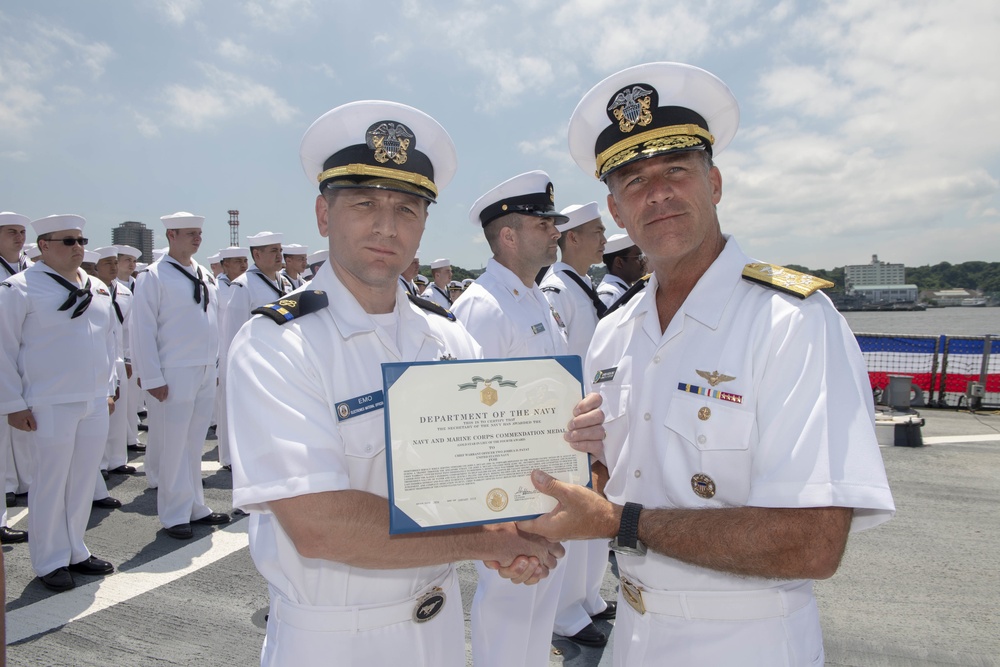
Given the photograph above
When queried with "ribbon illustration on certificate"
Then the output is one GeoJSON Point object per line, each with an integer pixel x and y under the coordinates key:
{"type": "Point", "coordinates": [463, 437]}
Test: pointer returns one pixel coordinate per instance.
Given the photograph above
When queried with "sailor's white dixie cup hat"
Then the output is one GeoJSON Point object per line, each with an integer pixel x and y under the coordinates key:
{"type": "Point", "coordinates": [58, 223]}
{"type": "Point", "coordinates": [183, 220]}
{"type": "Point", "coordinates": [579, 214]}
{"type": "Point", "coordinates": [530, 193]}
{"type": "Point", "coordinates": [617, 243]}
{"type": "Point", "coordinates": [378, 144]}
{"type": "Point", "coordinates": [234, 252]}
{"type": "Point", "coordinates": [13, 219]}
{"type": "Point", "coordinates": [649, 110]}
{"type": "Point", "coordinates": [294, 249]}
{"type": "Point", "coordinates": [264, 238]}
{"type": "Point", "coordinates": [442, 263]}
{"type": "Point", "coordinates": [134, 253]}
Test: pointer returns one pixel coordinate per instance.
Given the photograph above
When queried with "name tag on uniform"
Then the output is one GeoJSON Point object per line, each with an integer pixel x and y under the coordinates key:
{"type": "Point", "coordinates": [359, 405]}
{"type": "Point", "coordinates": [537, 328]}
{"type": "Point", "coordinates": [606, 375]}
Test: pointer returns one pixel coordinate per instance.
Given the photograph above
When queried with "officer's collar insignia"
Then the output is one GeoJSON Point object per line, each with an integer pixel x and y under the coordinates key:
{"type": "Point", "coordinates": [429, 605]}
{"type": "Point", "coordinates": [703, 485]}
{"type": "Point", "coordinates": [389, 140]}
{"type": "Point", "coordinates": [785, 280]}
{"type": "Point", "coordinates": [630, 107]}
{"type": "Point", "coordinates": [606, 375]}
{"type": "Point", "coordinates": [715, 377]}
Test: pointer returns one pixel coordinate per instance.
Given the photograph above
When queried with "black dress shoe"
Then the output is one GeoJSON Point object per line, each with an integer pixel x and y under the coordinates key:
{"type": "Point", "coordinates": [11, 499]}
{"type": "Point", "coordinates": [213, 519]}
{"type": "Point", "coordinates": [58, 580]}
{"type": "Point", "coordinates": [137, 447]}
{"type": "Point", "coordinates": [92, 565]}
{"type": "Point", "coordinates": [181, 531]}
{"type": "Point", "coordinates": [590, 636]}
{"type": "Point", "coordinates": [611, 611]}
{"type": "Point", "coordinates": [108, 503]}
{"type": "Point", "coordinates": [12, 535]}
{"type": "Point", "coordinates": [123, 470]}
{"type": "Point", "coordinates": [105, 475]}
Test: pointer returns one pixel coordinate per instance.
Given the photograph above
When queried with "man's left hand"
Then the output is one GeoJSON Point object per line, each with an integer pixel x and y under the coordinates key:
{"type": "Point", "coordinates": [581, 513]}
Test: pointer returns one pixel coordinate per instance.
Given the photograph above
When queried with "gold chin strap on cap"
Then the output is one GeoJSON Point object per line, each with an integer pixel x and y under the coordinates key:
{"type": "Point", "coordinates": [652, 141]}
{"type": "Point", "coordinates": [400, 179]}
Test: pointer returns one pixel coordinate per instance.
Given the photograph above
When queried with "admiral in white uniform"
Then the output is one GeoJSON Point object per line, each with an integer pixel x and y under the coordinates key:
{"type": "Point", "coordinates": [57, 382]}
{"type": "Point", "coordinates": [625, 264]}
{"type": "Point", "coordinates": [740, 425]}
{"type": "Point", "coordinates": [175, 347]}
{"type": "Point", "coordinates": [313, 477]}
{"type": "Point", "coordinates": [508, 315]}
{"type": "Point", "coordinates": [437, 290]}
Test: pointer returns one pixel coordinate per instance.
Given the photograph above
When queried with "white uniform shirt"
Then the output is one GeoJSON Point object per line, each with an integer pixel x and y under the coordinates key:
{"type": "Point", "coordinates": [611, 289]}
{"type": "Point", "coordinates": [508, 319]}
{"type": "Point", "coordinates": [573, 305]}
{"type": "Point", "coordinates": [286, 383]}
{"type": "Point", "coordinates": [49, 357]}
{"type": "Point", "coordinates": [126, 331]}
{"type": "Point", "coordinates": [294, 282]}
{"type": "Point", "coordinates": [408, 286]}
{"type": "Point", "coordinates": [437, 295]}
{"type": "Point", "coordinates": [168, 328]}
{"type": "Point", "coordinates": [794, 427]}
{"type": "Point", "coordinates": [123, 297]}
{"type": "Point", "coordinates": [251, 290]}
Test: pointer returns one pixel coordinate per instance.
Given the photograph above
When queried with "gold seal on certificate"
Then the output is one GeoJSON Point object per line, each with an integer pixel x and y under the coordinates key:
{"type": "Point", "coordinates": [464, 436]}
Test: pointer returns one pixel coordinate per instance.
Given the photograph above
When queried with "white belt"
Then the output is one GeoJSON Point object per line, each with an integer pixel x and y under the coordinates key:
{"type": "Point", "coordinates": [717, 605]}
{"type": "Point", "coordinates": [357, 619]}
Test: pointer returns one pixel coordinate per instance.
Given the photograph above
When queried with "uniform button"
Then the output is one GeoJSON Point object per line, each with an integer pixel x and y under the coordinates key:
{"type": "Point", "coordinates": [368, 448]}
{"type": "Point", "coordinates": [702, 440]}
{"type": "Point", "coordinates": [704, 414]}
{"type": "Point", "coordinates": [638, 473]}
{"type": "Point", "coordinates": [646, 416]}
{"type": "Point", "coordinates": [656, 359]}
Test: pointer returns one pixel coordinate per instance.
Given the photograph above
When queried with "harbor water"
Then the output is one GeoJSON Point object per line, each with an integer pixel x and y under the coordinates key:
{"type": "Point", "coordinates": [955, 321]}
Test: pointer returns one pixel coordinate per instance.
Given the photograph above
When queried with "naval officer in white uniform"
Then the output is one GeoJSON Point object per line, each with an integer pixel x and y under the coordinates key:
{"type": "Point", "coordinates": [739, 421]}
{"type": "Point", "coordinates": [508, 315]}
{"type": "Point", "coordinates": [175, 347]}
{"type": "Point", "coordinates": [57, 382]}
{"type": "Point", "coordinates": [308, 442]}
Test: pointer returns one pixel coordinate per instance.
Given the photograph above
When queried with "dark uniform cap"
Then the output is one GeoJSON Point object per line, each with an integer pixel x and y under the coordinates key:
{"type": "Point", "coordinates": [648, 110]}
{"type": "Point", "coordinates": [376, 144]}
{"type": "Point", "coordinates": [530, 193]}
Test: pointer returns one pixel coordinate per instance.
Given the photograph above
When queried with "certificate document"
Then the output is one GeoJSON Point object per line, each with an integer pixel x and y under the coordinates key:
{"type": "Point", "coordinates": [462, 438]}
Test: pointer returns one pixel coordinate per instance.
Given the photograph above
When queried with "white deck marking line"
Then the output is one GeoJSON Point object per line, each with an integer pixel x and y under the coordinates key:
{"type": "Point", "coordinates": [82, 601]}
{"type": "Point", "coordinates": [958, 439]}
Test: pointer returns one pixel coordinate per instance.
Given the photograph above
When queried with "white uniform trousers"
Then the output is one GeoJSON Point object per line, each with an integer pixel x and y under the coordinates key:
{"type": "Point", "coordinates": [20, 461]}
{"type": "Point", "coordinates": [222, 423]}
{"type": "Point", "coordinates": [116, 448]}
{"type": "Point", "coordinates": [7, 463]}
{"type": "Point", "coordinates": [585, 562]}
{"type": "Point", "coordinates": [512, 623]}
{"type": "Point", "coordinates": [177, 428]}
{"type": "Point", "coordinates": [790, 639]}
{"type": "Point", "coordinates": [132, 407]}
{"type": "Point", "coordinates": [68, 445]}
{"type": "Point", "coordinates": [304, 636]}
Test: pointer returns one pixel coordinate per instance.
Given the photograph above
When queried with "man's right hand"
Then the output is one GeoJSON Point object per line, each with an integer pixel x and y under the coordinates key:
{"type": "Point", "coordinates": [22, 420]}
{"type": "Point", "coordinates": [160, 393]}
{"type": "Point", "coordinates": [523, 558]}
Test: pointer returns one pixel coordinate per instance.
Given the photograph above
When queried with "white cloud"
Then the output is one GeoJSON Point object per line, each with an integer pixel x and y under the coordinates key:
{"type": "Point", "coordinates": [281, 15]}
{"type": "Point", "coordinates": [178, 11]}
{"type": "Point", "coordinates": [223, 95]}
{"type": "Point", "coordinates": [145, 125]}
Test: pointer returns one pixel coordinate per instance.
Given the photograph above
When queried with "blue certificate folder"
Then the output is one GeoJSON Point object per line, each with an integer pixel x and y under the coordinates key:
{"type": "Point", "coordinates": [478, 380]}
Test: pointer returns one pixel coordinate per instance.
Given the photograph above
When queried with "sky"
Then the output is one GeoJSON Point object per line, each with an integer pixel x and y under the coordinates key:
{"type": "Point", "coordinates": [867, 126]}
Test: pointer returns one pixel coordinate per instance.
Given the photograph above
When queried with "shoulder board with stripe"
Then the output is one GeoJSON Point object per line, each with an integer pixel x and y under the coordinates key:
{"type": "Point", "coordinates": [551, 288]}
{"type": "Point", "coordinates": [294, 305]}
{"type": "Point", "coordinates": [430, 306]}
{"type": "Point", "coordinates": [636, 287]}
{"type": "Point", "coordinates": [792, 282]}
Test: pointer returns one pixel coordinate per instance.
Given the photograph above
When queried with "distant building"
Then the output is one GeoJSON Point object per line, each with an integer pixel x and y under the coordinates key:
{"type": "Point", "coordinates": [951, 297]}
{"type": "Point", "coordinates": [885, 293]}
{"type": "Point", "coordinates": [136, 235]}
{"type": "Point", "coordinates": [876, 273]}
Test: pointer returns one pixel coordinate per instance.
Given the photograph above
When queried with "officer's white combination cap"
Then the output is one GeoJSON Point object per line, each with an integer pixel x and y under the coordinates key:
{"type": "Point", "coordinates": [13, 219]}
{"type": "Point", "coordinates": [378, 144]}
{"type": "Point", "coordinates": [530, 193]}
{"type": "Point", "coordinates": [318, 256]}
{"type": "Point", "coordinates": [440, 263]}
{"type": "Point", "coordinates": [579, 214]}
{"type": "Point", "coordinates": [264, 238]}
{"type": "Point", "coordinates": [130, 251]}
{"type": "Point", "coordinates": [617, 243]}
{"type": "Point", "coordinates": [420, 279]}
{"type": "Point", "coordinates": [648, 110]}
{"type": "Point", "coordinates": [183, 220]}
{"type": "Point", "coordinates": [58, 223]}
{"type": "Point", "coordinates": [107, 251]}
{"type": "Point", "coordinates": [294, 249]}
{"type": "Point", "coordinates": [234, 252]}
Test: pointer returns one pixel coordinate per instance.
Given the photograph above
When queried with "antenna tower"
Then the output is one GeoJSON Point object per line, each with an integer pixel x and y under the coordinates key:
{"type": "Point", "coordinates": [234, 228]}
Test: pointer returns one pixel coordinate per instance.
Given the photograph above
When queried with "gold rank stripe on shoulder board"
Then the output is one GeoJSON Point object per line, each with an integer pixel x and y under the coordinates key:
{"type": "Point", "coordinates": [786, 280]}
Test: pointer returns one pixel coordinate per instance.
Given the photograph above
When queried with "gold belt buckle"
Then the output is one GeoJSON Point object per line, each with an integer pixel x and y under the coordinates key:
{"type": "Point", "coordinates": [633, 595]}
{"type": "Point", "coordinates": [429, 605]}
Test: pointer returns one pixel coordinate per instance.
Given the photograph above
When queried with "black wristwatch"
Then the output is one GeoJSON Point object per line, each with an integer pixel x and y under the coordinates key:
{"type": "Point", "coordinates": [627, 541]}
